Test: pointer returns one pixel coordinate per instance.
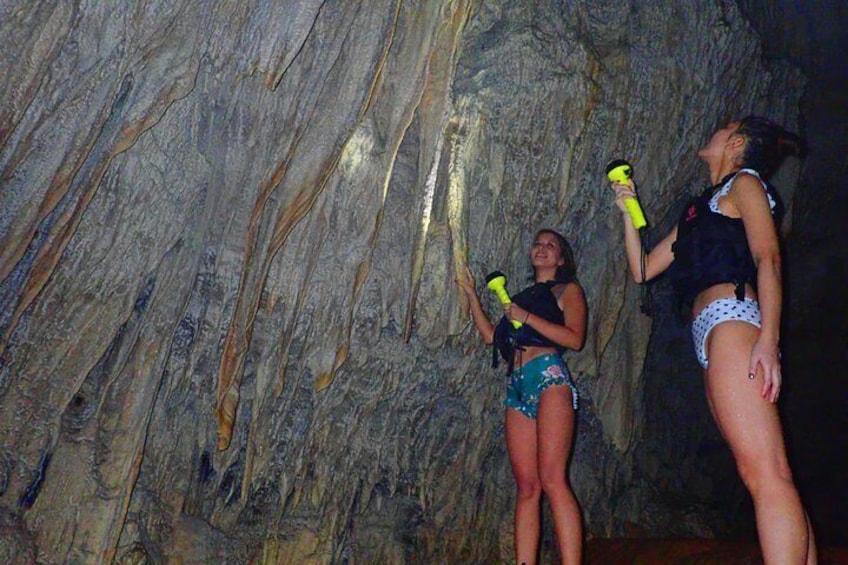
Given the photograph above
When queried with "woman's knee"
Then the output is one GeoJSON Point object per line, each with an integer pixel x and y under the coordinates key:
{"type": "Point", "coordinates": [528, 487]}
{"type": "Point", "coordinates": [763, 473]}
{"type": "Point", "coordinates": [552, 481]}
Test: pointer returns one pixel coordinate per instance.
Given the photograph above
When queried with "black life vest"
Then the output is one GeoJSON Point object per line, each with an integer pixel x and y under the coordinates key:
{"type": "Point", "coordinates": [539, 300]}
{"type": "Point", "coordinates": [710, 249]}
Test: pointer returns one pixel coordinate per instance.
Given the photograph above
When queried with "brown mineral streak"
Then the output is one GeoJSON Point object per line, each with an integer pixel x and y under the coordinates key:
{"type": "Point", "coordinates": [241, 326]}
{"type": "Point", "coordinates": [12, 251]}
{"type": "Point", "coordinates": [454, 25]}
{"type": "Point", "coordinates": [48, 255]}
{"type": "Point", "coordinates": [62, 232]}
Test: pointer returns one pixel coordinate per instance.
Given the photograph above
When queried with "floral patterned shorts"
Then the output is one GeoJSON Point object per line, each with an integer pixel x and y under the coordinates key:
{"type": "Point", "coordinates": [526, 383]}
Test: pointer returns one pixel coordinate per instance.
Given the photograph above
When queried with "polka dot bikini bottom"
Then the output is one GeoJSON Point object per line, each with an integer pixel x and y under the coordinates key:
{"type": "Point", "coordinates": [718, 311]}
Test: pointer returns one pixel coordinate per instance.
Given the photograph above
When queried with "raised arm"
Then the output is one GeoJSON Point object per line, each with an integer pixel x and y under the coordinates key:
{"type": "Point", "coordinates": [481, 320]}
{"type": "Point", "coordinates": [659, 258]}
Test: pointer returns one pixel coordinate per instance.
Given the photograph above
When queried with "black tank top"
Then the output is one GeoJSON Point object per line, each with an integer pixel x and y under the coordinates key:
{"type": "Point", "coordinates": [539, 300]}
{"type": "Point", "coordinates": [710, 249]}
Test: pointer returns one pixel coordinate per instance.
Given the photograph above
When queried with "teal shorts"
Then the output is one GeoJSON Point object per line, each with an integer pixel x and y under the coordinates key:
{"type": "Point", "coordinates": [528, 382]}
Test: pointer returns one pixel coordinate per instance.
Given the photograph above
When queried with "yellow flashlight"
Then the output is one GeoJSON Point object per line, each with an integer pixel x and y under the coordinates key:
{"type": "Point", "coordinates": [620, 171]}
{"type": "Point", "coordinates": [496, 282]}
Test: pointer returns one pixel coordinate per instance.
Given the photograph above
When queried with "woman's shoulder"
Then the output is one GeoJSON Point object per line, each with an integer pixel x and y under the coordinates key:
{"type": "Point", "coordinates": [748, 176]}
{"type": "Point", "coordinates": [749, 183]}
{"type": "Point", "coordinates": [560, 288]}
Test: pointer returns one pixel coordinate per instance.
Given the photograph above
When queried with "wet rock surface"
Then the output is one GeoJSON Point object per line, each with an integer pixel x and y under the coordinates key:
{"type": "Point", "coordinates": [228, 239]}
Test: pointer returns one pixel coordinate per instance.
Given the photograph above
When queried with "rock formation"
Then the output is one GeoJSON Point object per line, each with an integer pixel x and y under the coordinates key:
{"type": "Point", "coordinates": [229, 233]}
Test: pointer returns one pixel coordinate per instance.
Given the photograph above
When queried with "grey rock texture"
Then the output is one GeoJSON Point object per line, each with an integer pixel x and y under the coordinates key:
{"type": "Point", "coordinates": [229, 233]}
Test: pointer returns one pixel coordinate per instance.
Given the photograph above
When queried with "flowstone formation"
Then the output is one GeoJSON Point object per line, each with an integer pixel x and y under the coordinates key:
{"type": "Point", "coordinates": [229, 233]}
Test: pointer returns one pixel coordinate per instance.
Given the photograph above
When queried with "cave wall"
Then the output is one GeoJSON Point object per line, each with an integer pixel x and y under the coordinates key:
{"type": "Point", "coordinates": [228, 239]}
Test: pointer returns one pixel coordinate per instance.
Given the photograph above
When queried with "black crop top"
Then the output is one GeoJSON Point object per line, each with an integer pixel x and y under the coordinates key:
{"type": "Point", "coordinates": [539, 300]}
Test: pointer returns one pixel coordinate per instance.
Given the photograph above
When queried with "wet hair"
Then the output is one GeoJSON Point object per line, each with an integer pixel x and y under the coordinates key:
{"type": "Point", "coordinates": [767, 144]}
{"type": "Point", "coordinates": [567, 272]}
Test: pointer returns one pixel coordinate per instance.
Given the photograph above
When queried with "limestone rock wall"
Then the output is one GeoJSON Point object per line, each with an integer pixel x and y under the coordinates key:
{"type": "Point", "coordinates": [229, 233]}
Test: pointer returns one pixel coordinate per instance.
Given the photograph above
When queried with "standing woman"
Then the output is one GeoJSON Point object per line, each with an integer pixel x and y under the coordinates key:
{"type": "Point", "coordinates": [723, 259]}
{"type": "Point", "coordinates": [540, 396]}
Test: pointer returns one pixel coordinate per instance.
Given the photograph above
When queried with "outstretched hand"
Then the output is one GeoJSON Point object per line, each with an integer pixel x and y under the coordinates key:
{"type": "Point", "coordinates": [765, 356]}
{"type": "Point", "coordinates": [466, 282]}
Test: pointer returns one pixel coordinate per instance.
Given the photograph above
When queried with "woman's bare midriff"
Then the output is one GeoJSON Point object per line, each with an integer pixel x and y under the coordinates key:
{"type": "Point", "coordinates": [724, 290]}
{"type": "Point", "coordinates": [530, 352]}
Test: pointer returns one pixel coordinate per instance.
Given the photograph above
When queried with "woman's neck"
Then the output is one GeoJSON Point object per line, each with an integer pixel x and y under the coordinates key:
{"type": "Point", "coordinates": [719, 172]}
{"type": "Point", "coordinates": [545, 275]}
{"type": "Point", "coordinates": [727, 165]}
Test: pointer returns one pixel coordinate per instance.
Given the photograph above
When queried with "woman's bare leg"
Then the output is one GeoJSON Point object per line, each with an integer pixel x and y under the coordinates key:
{"type": "Point", "coordinates": [521, 445]}
{"type": "Point", "coordinates": [751, 426]}
{"type": "Point", "coordinates": [555, 429]}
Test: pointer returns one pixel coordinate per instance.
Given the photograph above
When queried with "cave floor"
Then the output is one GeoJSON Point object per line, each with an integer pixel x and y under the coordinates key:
{"type": "Point", "coordinates": [688, 552]}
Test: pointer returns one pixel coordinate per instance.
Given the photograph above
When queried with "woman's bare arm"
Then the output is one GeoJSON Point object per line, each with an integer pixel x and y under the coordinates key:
{"type": "Point", "coordinates": [481, 320]}
{"type": "Point", "coordinates": [658, 259]}
{"type": "Point", "coordinates": [749, 199]}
